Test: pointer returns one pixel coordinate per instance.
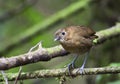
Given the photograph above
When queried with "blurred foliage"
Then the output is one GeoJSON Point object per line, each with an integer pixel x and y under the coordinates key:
{"type": "Point", "coordinates": [98, 14]}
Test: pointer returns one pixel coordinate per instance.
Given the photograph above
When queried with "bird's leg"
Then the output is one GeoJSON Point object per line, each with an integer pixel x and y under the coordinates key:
{"type": "Point", "coordinates": [81, 69]}
{"type": "Point", "coordinates": [72, 64]}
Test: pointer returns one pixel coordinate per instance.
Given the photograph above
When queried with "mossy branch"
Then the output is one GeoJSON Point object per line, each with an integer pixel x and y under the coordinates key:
{"type": "Point", "coordinates": [46, 54]}
{"type": "Point", "coordinates": [60, 72]}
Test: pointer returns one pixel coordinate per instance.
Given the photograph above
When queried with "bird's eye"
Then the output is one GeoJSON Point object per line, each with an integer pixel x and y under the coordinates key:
{"type": "Point", "coordinates": [63, 33]}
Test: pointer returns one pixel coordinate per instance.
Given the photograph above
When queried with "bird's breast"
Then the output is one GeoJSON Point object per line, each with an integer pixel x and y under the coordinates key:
{"type": "Point", "coordinates": [73, 48]}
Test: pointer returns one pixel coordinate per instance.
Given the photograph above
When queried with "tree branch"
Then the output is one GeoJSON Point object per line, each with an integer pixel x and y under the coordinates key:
{"type": "Point", "coordinates": [46, 54]}
{"type": "Point", "coordinates": [61, 72]}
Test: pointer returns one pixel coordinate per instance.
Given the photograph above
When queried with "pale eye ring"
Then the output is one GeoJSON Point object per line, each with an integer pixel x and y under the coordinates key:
{"type": "Point", "coordinates": [63, 33]}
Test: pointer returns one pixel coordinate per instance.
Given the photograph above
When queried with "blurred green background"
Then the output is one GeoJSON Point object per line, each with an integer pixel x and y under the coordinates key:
{"type": "Point", "coordinates": [39, 19]}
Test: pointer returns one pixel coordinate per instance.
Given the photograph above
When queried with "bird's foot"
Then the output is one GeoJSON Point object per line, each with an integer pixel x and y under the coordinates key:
{"type": "Point", "coordinates": [70, 66]}
{"type": "Point", "coordinates": [81, 70]}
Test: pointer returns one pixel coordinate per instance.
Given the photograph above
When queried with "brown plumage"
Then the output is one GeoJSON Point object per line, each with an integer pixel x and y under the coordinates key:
{"type": "Point", "coordinates": [76, 39]}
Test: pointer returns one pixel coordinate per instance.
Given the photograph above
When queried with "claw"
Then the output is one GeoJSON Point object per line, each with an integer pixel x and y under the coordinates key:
{"type": "Point", "coordinates": [71, 65]}
{"type": "Point", "coordinates": [81, 70]}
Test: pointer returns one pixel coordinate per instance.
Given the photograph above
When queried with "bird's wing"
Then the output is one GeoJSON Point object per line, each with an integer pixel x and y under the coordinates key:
{"type": "Point", "coordinates": [85, 31]}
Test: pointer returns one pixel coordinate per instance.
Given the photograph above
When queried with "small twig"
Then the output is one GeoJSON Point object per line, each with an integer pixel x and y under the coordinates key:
{"type": "Point", "coordinates": [62, 79]}
{"type": "Point", "coordinates": [19, 73]}
{"type": "Point", "coordinates": [20, 70]}
{"type": "Point", "coordinates": [39, 46]}
{"type": "Point", "coordinates": [4, 76]}
{"type": "Point", "coordinates": [31, 49]}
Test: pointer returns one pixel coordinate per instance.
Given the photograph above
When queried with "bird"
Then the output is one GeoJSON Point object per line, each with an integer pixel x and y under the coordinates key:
{"type": "Point", "coordinates": [77, 40]}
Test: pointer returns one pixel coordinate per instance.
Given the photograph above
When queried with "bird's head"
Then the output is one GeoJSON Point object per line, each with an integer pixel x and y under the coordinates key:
{"type": "Point", "coordinates": [60, 35]}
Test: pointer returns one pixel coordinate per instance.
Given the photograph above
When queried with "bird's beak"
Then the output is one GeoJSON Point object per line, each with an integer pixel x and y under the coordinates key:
{"type": "Point", "coordinates": [57, 38]}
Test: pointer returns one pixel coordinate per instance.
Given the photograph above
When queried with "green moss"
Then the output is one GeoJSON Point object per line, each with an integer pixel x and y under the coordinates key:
{"type": "Point", "coordinates": [95, 41]}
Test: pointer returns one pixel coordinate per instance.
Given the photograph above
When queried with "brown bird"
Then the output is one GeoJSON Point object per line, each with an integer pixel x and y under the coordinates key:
{"type": "Point", "coordinates": [76, 40]}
